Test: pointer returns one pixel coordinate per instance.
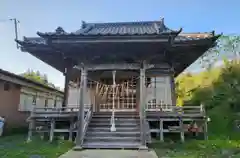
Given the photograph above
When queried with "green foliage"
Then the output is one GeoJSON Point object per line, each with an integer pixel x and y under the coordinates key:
{"type": "Point", "coordinates": [218, 88]}
{"type": "Point", "coordinates": [38, 77]}
{"type": "Point", "coordinates": [226, 47]}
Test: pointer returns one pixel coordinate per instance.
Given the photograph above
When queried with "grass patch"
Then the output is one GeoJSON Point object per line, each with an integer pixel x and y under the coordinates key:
{"type": "Point", "coordinates": [16, 146]}
{"type": "Point", "coordinates": [224, 140]}
{"type": "Point", "coordinates": [198, 149]}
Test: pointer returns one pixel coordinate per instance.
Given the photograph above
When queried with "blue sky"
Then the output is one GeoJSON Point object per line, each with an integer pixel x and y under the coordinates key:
{"type": "Point", "coordinates": [47, 15]}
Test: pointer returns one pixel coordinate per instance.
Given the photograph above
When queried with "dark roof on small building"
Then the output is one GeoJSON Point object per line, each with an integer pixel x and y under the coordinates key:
{"type": "Point", "coordinates": [12, 75]}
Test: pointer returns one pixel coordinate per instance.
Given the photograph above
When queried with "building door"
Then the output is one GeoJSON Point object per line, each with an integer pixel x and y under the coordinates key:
{"type": "Point", "coordinates": [121, 98]}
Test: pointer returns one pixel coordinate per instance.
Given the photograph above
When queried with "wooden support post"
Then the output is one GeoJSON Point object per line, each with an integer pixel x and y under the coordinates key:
{"type": "Point", "coordinates": [83, 89]}
{"type": "Point", "coordinates": [161, 130]}
{"type": "Point", "coordinates": [30, 130]}
{"type": "Point", "coordinates": [31, 124]}
{"type": "Point", "coordinates": [70, 138]}
{"type": "Point", "coordinates": [52, 128]}
{"type": "Point", "coordinates": [206, 129]}
{"type": "Point", "coordinates": [181, 130]}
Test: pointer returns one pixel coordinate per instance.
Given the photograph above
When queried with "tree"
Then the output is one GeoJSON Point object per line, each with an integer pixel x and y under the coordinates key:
{"type": "Point", "coordinates": [38, 77]}
{"type": "Point", "coordinates": [227, 47]}
{"type": "Point", "coordinates": [190, 85]}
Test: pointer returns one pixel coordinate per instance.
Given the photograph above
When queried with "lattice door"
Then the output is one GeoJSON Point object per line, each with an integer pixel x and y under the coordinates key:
{"type": "Point", "coordinates": [125, 94]}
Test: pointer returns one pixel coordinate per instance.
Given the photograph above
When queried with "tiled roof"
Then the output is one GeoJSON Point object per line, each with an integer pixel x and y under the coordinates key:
{"type": "Point", "coordinates": [34, 40]}
{"type": "Point", "coordinates": [124, 28]}
{"type": "Point", "coordinates": [181, 37]}
{"type": "Point", "coordinates": [118, 29]}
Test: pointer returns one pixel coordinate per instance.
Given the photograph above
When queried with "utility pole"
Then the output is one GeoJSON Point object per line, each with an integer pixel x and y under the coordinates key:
{"type": "Point", "coordinates": [16, 22]}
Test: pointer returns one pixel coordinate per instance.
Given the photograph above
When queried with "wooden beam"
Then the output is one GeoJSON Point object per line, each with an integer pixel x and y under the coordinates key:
{"type": "Point", "coordinates": [95, 41]}
{"type": "Point", "coordinates": [123, 66]}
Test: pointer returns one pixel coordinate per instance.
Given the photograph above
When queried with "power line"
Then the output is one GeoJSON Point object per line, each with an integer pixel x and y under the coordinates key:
{"type": "Point", "coordinates": [15, 22]}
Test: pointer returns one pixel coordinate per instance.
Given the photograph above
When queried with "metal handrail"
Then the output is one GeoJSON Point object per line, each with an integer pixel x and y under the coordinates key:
{"type": "Point", "coordinates": [87, 119]}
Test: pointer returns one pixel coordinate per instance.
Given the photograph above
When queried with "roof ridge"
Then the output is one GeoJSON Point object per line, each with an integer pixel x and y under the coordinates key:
{"type": "Point", "coordinates": [123, 23]}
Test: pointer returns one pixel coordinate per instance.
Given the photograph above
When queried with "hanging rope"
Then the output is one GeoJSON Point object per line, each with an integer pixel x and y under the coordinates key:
{"type": "Point", "coordinates": [113, 128]}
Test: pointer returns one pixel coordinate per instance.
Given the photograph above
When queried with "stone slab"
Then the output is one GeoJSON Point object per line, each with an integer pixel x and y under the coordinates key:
{"type": "Point", "coordinates": [97, 153]}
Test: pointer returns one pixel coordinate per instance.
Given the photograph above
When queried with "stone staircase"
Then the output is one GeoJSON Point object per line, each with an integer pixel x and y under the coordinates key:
{"type": "Point", "coordinates": [127, 134]}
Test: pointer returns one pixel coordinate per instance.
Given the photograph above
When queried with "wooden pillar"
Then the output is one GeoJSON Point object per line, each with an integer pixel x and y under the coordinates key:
{"type": "Point", "coordinates": [83, 89]}
{"type": "Point", "coordinates": [66, 86]}
{"type": "Point", "coordinates": [142, 105]}
{"type": "Point", "coordinates": [172, 82]}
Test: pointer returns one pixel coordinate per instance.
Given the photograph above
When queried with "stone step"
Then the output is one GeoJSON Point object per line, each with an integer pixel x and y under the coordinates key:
{"type": "Point", "coordinates": [111, 139]}
{"type": "Point", "coordinates": [111, 145]}
{"type": "Point", "coordinates": [107, 124]}
{"type": "Point", "coordinates": [117, 120]}
{"type": "Point", "coordinates": [117, 113]}
{"type": "Point", "coordinates": [119, 129]}
{"type": "Point", "coordinates": [114, 134]}
{"type": "Point", "coordinates": [97, 116]}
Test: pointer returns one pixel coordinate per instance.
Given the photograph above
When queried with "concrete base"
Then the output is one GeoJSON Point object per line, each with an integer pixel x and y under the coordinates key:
{"type": "Point", "coordinates": [143, 148]}
{"type": "Point", "coordinates": [78, 148]}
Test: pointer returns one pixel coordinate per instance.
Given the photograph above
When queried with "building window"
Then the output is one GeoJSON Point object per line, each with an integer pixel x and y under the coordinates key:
{"type": "Point", "coordinates": [34, 100]}
{"type": "Point", "coordinates": [6, 86]}
{"type": "Point", "coordinates": [46, 103]}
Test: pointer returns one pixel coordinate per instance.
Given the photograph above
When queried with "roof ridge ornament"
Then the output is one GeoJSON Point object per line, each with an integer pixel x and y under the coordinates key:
{"type": "Point", "coordinates": [84, 24]}
{"type": "Point", "coordinates": [162, 26]}
{"type": "Point", "coordinates": [162, 19]}
{"type": "Point", "coordinates": [60, 31]}
{"type": "Point", "coordinates": [213, 33]}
